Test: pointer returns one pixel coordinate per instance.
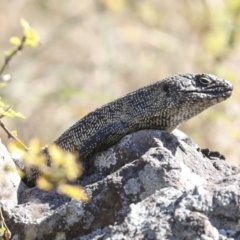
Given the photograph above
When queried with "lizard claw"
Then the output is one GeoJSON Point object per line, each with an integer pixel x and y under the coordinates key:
{"type": "Point", "coordinates": [211, 154]}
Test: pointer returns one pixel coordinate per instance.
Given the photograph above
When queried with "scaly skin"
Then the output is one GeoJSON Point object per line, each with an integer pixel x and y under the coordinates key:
{"type": "Point", "coordinates": [163, 105]}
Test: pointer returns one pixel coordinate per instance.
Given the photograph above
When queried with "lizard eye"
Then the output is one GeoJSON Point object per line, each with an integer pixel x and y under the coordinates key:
{"type": "Point", "coordinates": [204, 81]}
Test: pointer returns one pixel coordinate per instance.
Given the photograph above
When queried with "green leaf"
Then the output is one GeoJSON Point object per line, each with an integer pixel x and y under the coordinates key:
{"type": "Point", "coordinates": [31, 42]}
{"type": "Point", "coordinates": [5, 113]}
{"type": "Point", "coordinates": [6, 110]}
{"type": "Point", "coordinates": [14, 133]}
{"type": "Point", "coordinates": [31, 36]}
{"type": "Point", "coordinates": [24, 23]}
{"type": "Point", "coordinates": [76, 192]}
{"type": "Point", "coordinates": [15, 114]}
{"type": "Point", "coordinates": [15, 41]}
{"type": "Point", "coordinates": [18, 114]}
{"type": "Point", "coordinates": [2, 230]}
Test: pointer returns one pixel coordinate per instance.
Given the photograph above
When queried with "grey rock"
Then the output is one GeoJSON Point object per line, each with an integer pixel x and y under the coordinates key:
{"type": "Point", "coordinates": [10, 181]}
{"type": "Point", "coordinates": [150, 185]}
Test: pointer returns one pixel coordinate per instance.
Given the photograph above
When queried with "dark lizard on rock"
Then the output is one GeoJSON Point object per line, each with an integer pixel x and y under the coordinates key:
{"type": "Point", "coordinates": [163, 105]}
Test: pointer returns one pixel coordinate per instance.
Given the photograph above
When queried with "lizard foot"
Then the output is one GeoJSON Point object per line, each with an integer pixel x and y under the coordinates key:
{"type": "Point", "coordinates": [210, 154]}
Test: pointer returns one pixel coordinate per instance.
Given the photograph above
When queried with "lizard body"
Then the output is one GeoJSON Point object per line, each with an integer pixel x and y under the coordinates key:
{"type": "Point", "coordinates": [163, 105]}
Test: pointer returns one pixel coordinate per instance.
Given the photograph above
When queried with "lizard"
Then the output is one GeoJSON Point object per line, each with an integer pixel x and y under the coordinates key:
{"type": "Point", "coordinates": [163, 105]}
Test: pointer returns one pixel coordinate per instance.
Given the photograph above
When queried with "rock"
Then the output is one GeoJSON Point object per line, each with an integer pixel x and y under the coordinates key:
{"type": "Point", "coordinates": [10, 181]}
{"type": "Point", "coordinates": [151, 185]}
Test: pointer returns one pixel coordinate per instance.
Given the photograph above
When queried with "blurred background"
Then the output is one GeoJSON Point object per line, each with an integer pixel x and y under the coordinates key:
{"type": "Point", "coordinates": [95, 51]}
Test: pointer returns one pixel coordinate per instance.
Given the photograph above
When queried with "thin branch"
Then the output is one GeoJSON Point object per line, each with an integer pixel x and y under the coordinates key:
{"type": "Point", "coordinates": [10, 135]}
{"type": "Point", "coordinates": [9, 108]}
{"type": "Point", "coordinates": [8, 58]}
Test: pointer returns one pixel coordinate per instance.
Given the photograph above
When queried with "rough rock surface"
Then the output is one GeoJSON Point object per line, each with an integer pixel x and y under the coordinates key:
{"type": "Point", "coordinates": [151, 185]}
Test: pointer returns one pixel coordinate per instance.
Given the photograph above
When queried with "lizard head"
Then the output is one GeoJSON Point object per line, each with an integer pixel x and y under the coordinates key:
{"type": "Point", "coordinates": [186, 95]}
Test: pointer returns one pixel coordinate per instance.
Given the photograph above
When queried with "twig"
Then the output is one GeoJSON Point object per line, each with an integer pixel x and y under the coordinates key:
{"type": "Point", "coordinates": [8, 58]}
{"type": "Point", "coordinates": [10, 135]}
{"type": "Point", "coordinates": [9, 108]}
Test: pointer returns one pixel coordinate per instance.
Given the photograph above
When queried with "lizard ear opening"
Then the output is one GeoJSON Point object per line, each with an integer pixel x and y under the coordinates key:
{"type": "Point", "coordinates": [166, 89]}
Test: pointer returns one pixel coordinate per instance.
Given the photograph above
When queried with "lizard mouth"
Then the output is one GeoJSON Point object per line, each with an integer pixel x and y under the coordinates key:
{"type": "Point", "coordinates": [213, 92]}
{"type": "Point", "coordinates": [226, 92]}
